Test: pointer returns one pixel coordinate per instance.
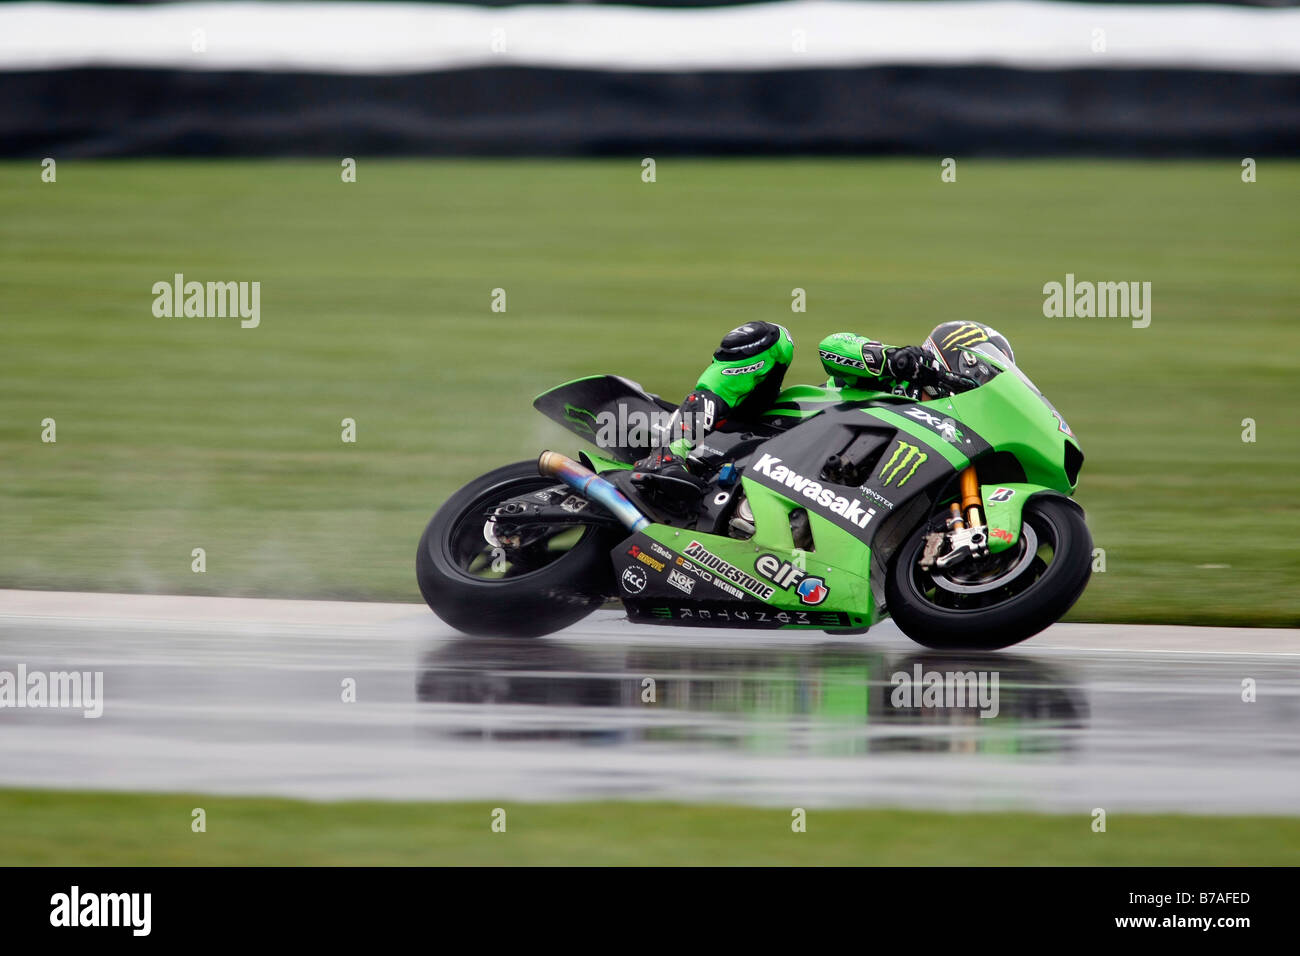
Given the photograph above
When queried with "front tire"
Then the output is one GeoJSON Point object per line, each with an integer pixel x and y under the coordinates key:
{"type": "Point", "coordinates": [1005, 598]}
{"type": "Point", "coordinates": [482, 590]}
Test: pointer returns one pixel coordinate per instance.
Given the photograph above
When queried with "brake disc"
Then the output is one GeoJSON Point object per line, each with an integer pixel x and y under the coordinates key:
{"type": "Point", "coordinates": [980, 581]}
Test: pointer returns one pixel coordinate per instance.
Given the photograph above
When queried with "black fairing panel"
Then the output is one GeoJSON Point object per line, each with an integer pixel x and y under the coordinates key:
{"type": "Point", "coordinates": [899, 476]}
{"type": "Point", "coordinates": [610, 407]}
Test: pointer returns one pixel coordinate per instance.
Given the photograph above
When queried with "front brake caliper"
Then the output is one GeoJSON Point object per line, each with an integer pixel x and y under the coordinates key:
{"type": "Point", "coordinates": [933, 542]}
{"type": "Point", "coordinates": [964, 544]}
{"type": "Point", "coordinates": [946, 548]}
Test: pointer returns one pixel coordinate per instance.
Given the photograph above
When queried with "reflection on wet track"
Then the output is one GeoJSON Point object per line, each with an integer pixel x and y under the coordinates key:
{"type": "Point", "coordinates": [830, 701]}
{"type": "Point", "coordinates": [613, 710]}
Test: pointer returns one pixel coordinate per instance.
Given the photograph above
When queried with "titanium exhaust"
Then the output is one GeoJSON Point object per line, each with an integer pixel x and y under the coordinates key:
{"type": "Point", "coordinates": [587, 483]}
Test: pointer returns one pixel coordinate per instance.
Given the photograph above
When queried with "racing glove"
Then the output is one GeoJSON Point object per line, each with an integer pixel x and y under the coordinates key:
{"type": "Point", "coordinates": [904, 364]}
{"type": "Point", "coordinates": [912, 364]}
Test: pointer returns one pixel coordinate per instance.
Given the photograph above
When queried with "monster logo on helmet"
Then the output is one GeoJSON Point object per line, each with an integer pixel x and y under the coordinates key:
{"type": "Point", "coordinates": [948, 340]}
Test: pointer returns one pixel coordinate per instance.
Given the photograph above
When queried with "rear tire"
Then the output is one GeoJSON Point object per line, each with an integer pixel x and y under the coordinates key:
{"type": "Point", "coordinates": [1026, 602]}
{"type": "Point", "coordinates": [521, 602]}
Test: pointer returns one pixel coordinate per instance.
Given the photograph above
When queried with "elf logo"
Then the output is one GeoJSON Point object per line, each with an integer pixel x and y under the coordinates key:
{"type": "Point", "coordinates": [770, 467]}
{"type": "Point", "coordinates": [811, 590]}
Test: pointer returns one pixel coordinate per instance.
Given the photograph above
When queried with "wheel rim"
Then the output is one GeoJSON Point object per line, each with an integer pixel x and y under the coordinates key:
{"type": "Point", "coordinates": [471, 547]}
{"type": "Point", "coordinates": [991, 581]}
{"type": "Point", "coordinates": [999, 572]}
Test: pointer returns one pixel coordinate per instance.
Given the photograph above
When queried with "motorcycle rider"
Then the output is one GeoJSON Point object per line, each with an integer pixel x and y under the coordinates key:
{"type": "Point", "coordinates": [749, 367]}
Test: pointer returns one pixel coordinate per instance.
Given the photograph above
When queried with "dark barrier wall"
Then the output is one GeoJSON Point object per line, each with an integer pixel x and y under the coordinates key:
{"type": "Point", "coordinates": [502, 111]}
{"type": "Point", "coordinates": [969, 78]}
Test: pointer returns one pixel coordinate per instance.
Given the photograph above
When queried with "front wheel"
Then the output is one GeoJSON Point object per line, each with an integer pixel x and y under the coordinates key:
{"type": "Point", "coordinates": [999, 600]}
{"type": "Point", "coordinates": [525, 589]}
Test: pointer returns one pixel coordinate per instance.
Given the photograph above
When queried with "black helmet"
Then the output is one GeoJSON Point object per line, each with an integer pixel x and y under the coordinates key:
{"type": "Point", "coordinates": [949, 340]}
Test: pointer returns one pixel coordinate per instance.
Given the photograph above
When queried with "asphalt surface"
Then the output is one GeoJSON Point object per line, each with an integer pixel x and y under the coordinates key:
{"type": "Point", "coordinates": [237, 696]}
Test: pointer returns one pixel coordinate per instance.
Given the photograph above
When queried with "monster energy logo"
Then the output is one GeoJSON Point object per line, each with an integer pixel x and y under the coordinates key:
{"type": "Point", "coordinates": [903, 456]}
{"type": "Point", "coordinates": [967, 335]}
{"type": "Point", "coordinates": [574, 414]}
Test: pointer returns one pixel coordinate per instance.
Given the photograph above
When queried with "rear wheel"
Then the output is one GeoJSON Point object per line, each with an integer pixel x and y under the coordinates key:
{"type": "Point", "coordinates": [999, 600]}
{"type": "Point", "coordinates": [483, 586]}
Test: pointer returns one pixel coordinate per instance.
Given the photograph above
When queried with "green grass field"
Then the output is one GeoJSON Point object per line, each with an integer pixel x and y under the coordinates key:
{"type": "Point", "coordinates": [177, 433]}
{"type": "Point", "coordinates": [75, 829]}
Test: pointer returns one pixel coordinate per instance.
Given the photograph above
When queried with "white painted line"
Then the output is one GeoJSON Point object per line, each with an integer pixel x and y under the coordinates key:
{"type": "Point", "coordinates": [392, 38]}
{"type": "Point", "coordinates": [347, 618]}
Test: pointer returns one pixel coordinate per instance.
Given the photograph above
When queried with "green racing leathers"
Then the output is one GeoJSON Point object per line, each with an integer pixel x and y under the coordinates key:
{"type": "Point", "coordinates": [743, 380]}
{"type": "Point", "coordinates": [749, 367]}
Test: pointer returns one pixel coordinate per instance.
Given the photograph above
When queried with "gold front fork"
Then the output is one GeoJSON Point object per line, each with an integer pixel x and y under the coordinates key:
{"type": "Point", "coordinates": [971, 504]}
{"type": "Point", "coordinates": [965, 527]}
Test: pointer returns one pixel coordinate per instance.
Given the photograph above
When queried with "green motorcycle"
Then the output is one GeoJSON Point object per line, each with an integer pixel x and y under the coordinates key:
{"type": "Point", "coordinates": [840, 507]}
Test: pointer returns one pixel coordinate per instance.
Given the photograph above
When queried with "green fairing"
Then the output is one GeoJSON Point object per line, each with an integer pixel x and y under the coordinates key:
{"type": "Point", "coordinates": [1005, 516]}
{"type": "Point", "coordinates": [600, 464]}
{"type": "Point", "coordinates": [804, 401]}
{"type": "Point", "coordinates": [564, 385]}
{"type": "Point", "coordinates": [1013, 417]}
{"type": "Point", "coordinates": [921, 433]}
{"type": "Point", "coordinates": [1008, 412]}
{"type": "Point", "coordinates": [849, 591]}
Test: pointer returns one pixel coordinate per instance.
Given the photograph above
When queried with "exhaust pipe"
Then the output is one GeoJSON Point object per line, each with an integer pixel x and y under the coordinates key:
{"type": "Point", "coordinates": [590, 485]}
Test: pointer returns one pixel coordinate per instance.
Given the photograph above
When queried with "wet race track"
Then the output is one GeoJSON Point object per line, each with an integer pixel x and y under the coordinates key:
{"type": "Point", "coordinates": [240, 696]}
